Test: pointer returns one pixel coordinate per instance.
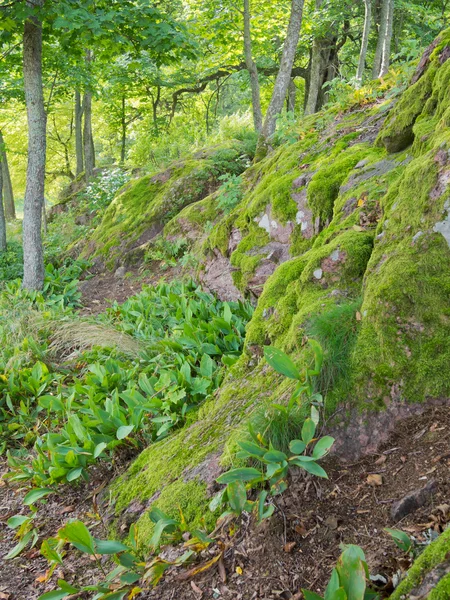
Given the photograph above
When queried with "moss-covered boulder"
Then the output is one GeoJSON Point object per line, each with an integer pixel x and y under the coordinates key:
{"type": "Point", "coordinates": [338, 239]}
{"type": "Point", "coordinates": [143, 207]}
{"type": "Point", "coordinates": [429, 577]}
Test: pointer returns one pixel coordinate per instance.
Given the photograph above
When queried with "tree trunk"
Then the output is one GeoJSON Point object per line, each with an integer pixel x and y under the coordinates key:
{"type": "Point", "coordinates": [89, 157]}
{"type": "Point", "coordinates": [315, 78]}
{"type": "Point", "coordinates": [382, 33]}
{"type": "Point", "coordinates": [2, 213]}
{"type": "Point", "coordinates": [124, 132]}
{"type": "Point", "coordinates": [386, 51]}
{"type": "Point", "coordinates": [364, 42]}
{"type": "Point", "coordinates": [8, 195]}
{"type": "Point", "coordinates": [79, 133]}
{"type": "Point", "coordinates": [283, 78]}
{"type": "Point", "coordinates": [33, 256]}
{"type": "Point", "coordinates": [291, 96]}
{"type": "Point", "coordinates": [252, 70]}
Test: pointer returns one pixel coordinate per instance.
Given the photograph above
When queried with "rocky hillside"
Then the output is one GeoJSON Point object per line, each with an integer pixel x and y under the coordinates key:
{"type": "Point", "coordinates": [343, 236]}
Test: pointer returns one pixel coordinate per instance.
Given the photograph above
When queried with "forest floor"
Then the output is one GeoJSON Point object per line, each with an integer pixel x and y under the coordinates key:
{"type": "Point", "coordinates": [296, 548]}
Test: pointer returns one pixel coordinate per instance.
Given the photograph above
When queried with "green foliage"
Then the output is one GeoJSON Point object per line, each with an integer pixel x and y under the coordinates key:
{"type": "Point", "coordinates": [349, 578]}
{"type": "Point", "coordinates": [187, 337]}
{"type": "Point", "coordinates": [230, 192]}
{"type": "Point", "coordinates": [401, 539]}
{"type": "Point", "coordinates": [11, 262]}
{"type": "Point", "coordinates": [274, 464]}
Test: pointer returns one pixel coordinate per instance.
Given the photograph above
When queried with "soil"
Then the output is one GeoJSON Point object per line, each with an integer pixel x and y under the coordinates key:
{"type": "Point", "coordinates": [295, 549]}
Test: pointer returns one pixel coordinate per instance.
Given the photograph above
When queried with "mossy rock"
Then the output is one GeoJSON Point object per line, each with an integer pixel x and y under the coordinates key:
{"type": "Point", "coordinates": [429, 577]}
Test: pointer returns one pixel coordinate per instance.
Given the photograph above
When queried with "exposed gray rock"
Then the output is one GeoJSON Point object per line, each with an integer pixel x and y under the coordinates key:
{"type": "Point", "coordinates": [443, 227]}
{"type": "Point", "coordinates": [412, 501]}
{"type": "Point", "coordinates": [120, 273]}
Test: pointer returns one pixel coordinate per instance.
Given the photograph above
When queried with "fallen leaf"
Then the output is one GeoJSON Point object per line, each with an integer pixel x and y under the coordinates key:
{"type": "Point", "coordinates": [289, 547]}
{"type": "Point", "coordinates": [403, 459]}
{"type": "Point", "coordinates": [196, 589]}
{"type": "Point", "coordinates": [443, 508]}
{"type": "Point", "coordinates": [300, 529]}
{"type": "Point", "coordinates": [381, 460]}
{"type": "Point", "coordinates": [67, 509]}
{"type": "Point", "coordinates": [239, 570]}
{"type": "Point", "coordinates": [358, 316]}
{"type": "Point", "coordinates": [4, 596]}
{"type": "Point", "coordinates": [375, 479]}
{"type": "Point", "coordinates": [222, 571]}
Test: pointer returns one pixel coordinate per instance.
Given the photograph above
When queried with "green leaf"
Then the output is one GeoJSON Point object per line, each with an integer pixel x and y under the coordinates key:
{"type": "Point", "coordinates": [206, 366]}
{"type": "Point", "coordinates": [36, 494]}
{"type": "Point", "coordinates": [99, 449]}
{"type": "Point", "coordinates": [308, 431]}
{"type": "Point", "coordinates": [241, 474]}
{"type": "Point", "coordinates": [402, 540]}
{"type": "Point", "coordinates": [18, 548]}
{"type": "Point", "coordinates": [297, 447]}
{"type": "Point", "coordinates": [275, 456]}
{"type": "Point", "coordinates": [17, 521]}
{"type": "Point", "coordinates": [333, 586]}
{"type": "Point", "coordinates": [50, 553]}
{"type": "Point", "coordinates": [279, 361]}
{"type": "Point", "coordinates": [252, 449]}
{"type": "Point", "coordinates": [124, 431]}
{"type": "Point", "coordinates": [74, 474]}
{"type": "Point", "coordinates": [352, 573]}
{"type": "Point", "coordinates": [109, 546]}
{"type": "Point", "coordinates": [310, 467]}
{"type": "Point", "coordinates": [55, 595]}
{"type": "Point", "coordinates": [79, 536]}
{"type": "Point", "coordinates": [237, 496]}
{"type": "Point", "coordinates": [323, 447]}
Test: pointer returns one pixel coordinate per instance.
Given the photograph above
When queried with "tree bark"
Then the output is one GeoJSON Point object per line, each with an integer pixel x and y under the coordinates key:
{"type": "Point", "coordinates": [2, 213]}
{"type": "Point", "coordinates": [79, 133]}
{"type": "Point", "coordinates": [89, 159]}
{"type": "Point", "coordinates": [8, 195]}
{"type": "Point", "coordinates": [124, 132]}
{"type": "Point", "coordinates": [252, 70]}
{"type": "Point", "coordinates": [291, 96]}
{"type": "Point", "coordinates": [33, 256]}
{"type": "Point", "coordinates": [88, 140]}
{"type": "Point", "coordinates": [386, 51]}
{"type": "Point", "coordinates": [364, 41]}
{"type": "Point", "coordinates": [283, 78]}
{"type": "Point", "coordinates": [382, 33]}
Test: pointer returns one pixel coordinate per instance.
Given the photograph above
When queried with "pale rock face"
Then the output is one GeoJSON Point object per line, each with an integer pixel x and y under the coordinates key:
{"type": "Point", "coordinates": [318, 273]}
{"type": "Point", "coordinates": [443, 227]}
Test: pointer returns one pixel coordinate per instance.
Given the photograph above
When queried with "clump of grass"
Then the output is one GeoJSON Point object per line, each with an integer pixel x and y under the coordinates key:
{"type": "Point", "coordinates": [335, 330]}
{"type": "Point", "coordinates": [277, 426]}
{"type": "Point", "coordinates": [69, 336]}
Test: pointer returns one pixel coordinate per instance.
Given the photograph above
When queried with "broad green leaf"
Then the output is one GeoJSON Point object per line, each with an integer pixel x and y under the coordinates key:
{"type": "Point", "coordinates": [17, 521]}
{"type": "Point", "coordinates": [279, 361]}
{"type": "Point", "coordinates": [311, 595]}
{"type": "Point", "coordinates": [79, 536]}
{"type": "Point", "coordinates": [36, 494]}
{"type": "Point", "coordinates": [18, 548]}
{"type": "Point", "coordinates": [74, 474]}
{"type": "Point", "coordinates": [55, 595]}
{"type": "Point", "coordinates": [275, 456]}
{"type": "Point", "coordinates": [124, 431]}
{"type": "Point", "coordinates": [333, 586]}
{"type": "Point", "coordinates": [308, 431]}
{"type": "Point", "coordinates": [310, 467]}
{"type": "Point", "coordinates": [252, 449]}
{"type": "Point", "coordinates": [297, 447]}
{"type": "Point", "coordinates": [323, 447]}
{"type": "Point", "coordinates": [241, 474]}
{"type": "Point", "coordinates": [402, 540]}
{"type": "Point", "coordinates": [109, 546]}
{"type": "Point", "coordinates": [50, 553]}
{"type": "Point", "coordinates": [237, 496]}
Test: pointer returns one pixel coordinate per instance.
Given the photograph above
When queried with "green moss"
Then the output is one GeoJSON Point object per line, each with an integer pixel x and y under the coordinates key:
{"type": "Point", "coordinates": [432, 556]}
{"type": "Point", "coordinates": [324, 186]}
{"type": "Point", "coordinates": [246, 256]}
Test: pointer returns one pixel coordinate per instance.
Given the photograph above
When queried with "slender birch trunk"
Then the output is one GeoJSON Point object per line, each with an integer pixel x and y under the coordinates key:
{"type": "Point", "coordinates": [282, 81]}
{"type": "Point", "coordinates": [364, 42]}
{"type": "Point", "coordinates": [386, 50]}
{"type": "Point", "coordinates": [33, 256]}
{"type": "Point", "coordinates": [382, 33]}
{"type": "Point", "coordinates": [252, 70]}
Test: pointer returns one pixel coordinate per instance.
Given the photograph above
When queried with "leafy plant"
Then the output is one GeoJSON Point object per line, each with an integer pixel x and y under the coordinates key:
{"type": "Point", "coordinates": [401, 539]}
{"type": "Point", "coordinates": [348, 579]}
{"type": "Point", "coordinates": [230, 192]}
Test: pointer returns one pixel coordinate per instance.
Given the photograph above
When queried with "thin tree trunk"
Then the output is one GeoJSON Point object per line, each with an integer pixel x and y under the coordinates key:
{"type": "Point", "coordinates": [2, 213]}
{"type": "Point", "coordinates": [283, 78]}
{"type": "Point", "coordinates": [79, 133]}
{"type": "Point", "coordinates": [386, 51]}
{"type": "Point", "coordinates": [87, 137]}
{"type": "Point", "coordinates": [252, 70]}
{"type": "Point", "coordinates": [382, 33]}
{"type": "Point", "coordinates": [124, 132]}
{"type": "Point", "coordinates": [364, 42]}
{"type": "Point", "coordinates": [8, 195]}
{"type": "Point", "coordinates": [33, 256]}
{"type": "Point", "coordinates": [315, 78]}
